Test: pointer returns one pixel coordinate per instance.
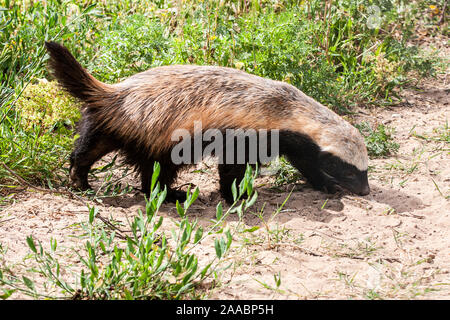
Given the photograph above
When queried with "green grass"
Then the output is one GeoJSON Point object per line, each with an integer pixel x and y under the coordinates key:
{"type": "Point", "coordinates": [440, 134]}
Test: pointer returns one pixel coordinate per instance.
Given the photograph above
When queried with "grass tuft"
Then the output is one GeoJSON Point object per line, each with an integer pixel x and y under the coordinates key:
{"type": "Point", "coordinates": [379, 141]}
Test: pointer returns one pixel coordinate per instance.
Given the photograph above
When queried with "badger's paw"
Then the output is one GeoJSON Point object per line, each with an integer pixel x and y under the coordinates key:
{"type": "Point", "coordinates": [174, 195]}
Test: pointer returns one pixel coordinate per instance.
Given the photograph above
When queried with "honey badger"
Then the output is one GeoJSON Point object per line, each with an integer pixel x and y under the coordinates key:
{"type": "Point", "coordinates": [139, 115]}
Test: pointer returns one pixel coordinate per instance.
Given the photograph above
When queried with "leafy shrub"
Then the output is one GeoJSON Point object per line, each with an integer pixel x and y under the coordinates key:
{"type": "Point", "coordinates": [46, 105]}
{"type": "Point", "coordinates": [35, 143]}
{"type": "Point", "coordinates": [131, 45]}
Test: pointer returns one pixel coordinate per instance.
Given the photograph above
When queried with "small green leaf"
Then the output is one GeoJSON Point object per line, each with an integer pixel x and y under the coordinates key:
{"type": "Point", "coordinates": [252, 229]}
{"type": "Point", "coordinates": [92, 213]}
{"type": "Point", "coordinates": [180, 209]}
{"type": "Point", "coordinates": [229, 239]}
{"type": "Point", "coordinates": [30, 242]}
{"type": "Point", "coordinates": [118, 253]}
{"type": "Point", "coordinates": [53, 244]}
{"type": "Point", "coordinates": [219, 211]}
{"type": "Point", "coordinates": [277, 278]}
{"type": "Point", "coordinates": [193, 266]}
{"type": "Point", "coordinates": [198, 234]}
{"type": "Point", "coordinates": [193, 197]}
{"type": "Point", "coordinates": [158, 224]}
{"type": "Point", "coordinates": [239, 209]}
{"type": "Point", "coordinates": [205, 269]}
{"type": "Point", "coordinates": [102, 246]}
{"type": "Point", "coordinates": [155, 175]}
{"type": "Point", "coordinates": [186, 234]}
{"type": "Point", "coordinates": [252, 201]}
{"type": "Point", "coordinates": [184, 288]}
{"type": "Point", "coordinates": [161, 198]}
{"type": "Point", "coordinates": [243, 186]}
{"type": "Point", "coordinates": [89, 8]}
{"type": "Point", "coordinates": [190, 261]}
{"type": "Point", "coordinates": [7, 293]}
{"type": "Point", "coordinates": [234, 190]}
{"type": "Point", "coordinates": [218, 248]}
{"type": "Point", "coordinates": [28, 283]}
{"type": "Point", "coordinates": [128, 295]}
{"type": "Point", "coordinates": [83, 279]}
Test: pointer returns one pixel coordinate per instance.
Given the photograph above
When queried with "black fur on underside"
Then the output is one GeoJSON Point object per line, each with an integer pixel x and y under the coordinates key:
{"type": "Point", "coordinates": [322, 170]}
{"type": "Point", "coordinates": [95, 142]}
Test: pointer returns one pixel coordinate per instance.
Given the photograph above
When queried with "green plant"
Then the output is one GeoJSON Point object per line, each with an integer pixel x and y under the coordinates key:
{"type": "Point", "coordinates": [130, 45]}
{"type": "Point", "coordinates": [277, 234]}
{"type": "Point", "coordinates": [379, 141]}
{"type": "Point", "coordinates": [35, 148]}
{"type": "Point", "coordinates": [440, 134]}
{"type": "Point", "coordinates": [35, 142]}
{"type": "Point", "coordinates": [148, 263]}
{"type": "Point", "coordinates": [277, 280]}
{"type": "Point", "coordinates": [285, 172]}
{"type": "Point", "coordinates": [44, 104]}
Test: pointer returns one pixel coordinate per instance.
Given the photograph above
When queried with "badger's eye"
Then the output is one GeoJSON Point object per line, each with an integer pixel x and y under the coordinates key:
{"type": "Point", "coordinates": [350, 175]}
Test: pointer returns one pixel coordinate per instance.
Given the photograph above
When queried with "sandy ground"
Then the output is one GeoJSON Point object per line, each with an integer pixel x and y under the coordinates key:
{"type": "Point", "coordinates": [391, 244]}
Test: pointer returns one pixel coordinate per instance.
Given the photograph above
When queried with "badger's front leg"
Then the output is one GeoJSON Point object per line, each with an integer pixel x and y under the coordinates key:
{"type": "Point", "coordinates": [167, 175]}
{"type": "Point", "coordinates": [317, 178]}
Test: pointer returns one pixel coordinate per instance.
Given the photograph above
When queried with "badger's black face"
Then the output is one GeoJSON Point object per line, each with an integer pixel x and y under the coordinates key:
{"type": "Point", "coordinates": [338, 172]}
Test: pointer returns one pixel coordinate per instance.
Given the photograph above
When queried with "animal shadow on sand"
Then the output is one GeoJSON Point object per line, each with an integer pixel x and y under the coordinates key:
{"type": "Point", "coordinates": [303, 202]}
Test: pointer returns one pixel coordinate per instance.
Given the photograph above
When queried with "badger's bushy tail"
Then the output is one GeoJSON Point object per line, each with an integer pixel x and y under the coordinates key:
{"type": "Point", "coordinates": [73, 77]}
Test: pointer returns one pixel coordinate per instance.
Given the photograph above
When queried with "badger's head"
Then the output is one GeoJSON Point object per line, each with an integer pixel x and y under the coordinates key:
{"type": "Point", "coordinates": [335, 150]}
{"type": "Point", "coordinates": [343, 159]}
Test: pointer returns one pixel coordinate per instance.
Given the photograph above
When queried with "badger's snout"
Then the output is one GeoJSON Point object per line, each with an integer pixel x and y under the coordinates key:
{"type": "Point", "coordinates": [365, 190]}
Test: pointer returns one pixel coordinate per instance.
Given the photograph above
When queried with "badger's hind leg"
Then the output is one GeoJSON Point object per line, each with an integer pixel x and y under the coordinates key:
{"type": "Point", "coordinates": [89, 147]}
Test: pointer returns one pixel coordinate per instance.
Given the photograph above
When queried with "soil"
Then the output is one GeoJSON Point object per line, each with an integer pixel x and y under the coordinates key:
{"type": "Point", "coordinates": [391, 244]}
